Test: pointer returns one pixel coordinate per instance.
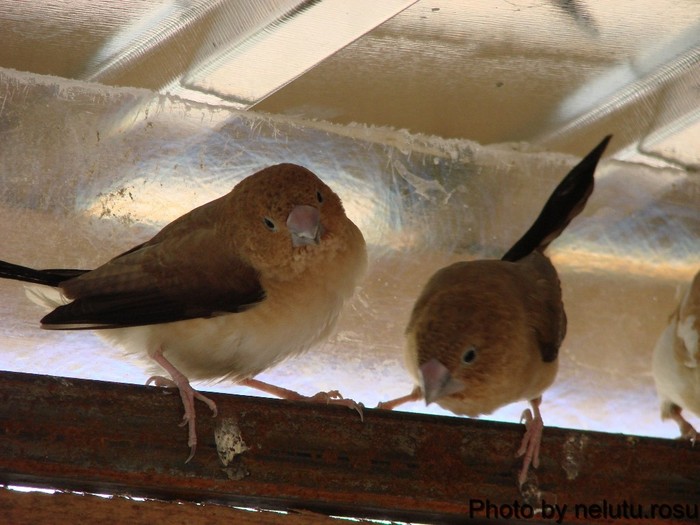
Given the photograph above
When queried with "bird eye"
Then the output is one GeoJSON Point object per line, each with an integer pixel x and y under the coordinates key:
{"type": "Point", "coordinates": [270, 224]}
{"type": "Point", "coordinates": [469, 355]}
{"type": "Point", "coordinates": [319, 197]}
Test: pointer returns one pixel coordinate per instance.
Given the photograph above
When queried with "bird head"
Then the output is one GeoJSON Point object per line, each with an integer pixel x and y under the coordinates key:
{"type": "Point", "coordinates": [465, 353]}
{"type": "Point", "coordinates": [285, 220]}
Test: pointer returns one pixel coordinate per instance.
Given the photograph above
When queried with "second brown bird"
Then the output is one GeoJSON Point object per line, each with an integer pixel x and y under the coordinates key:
{"type": "Point", "coordinates": [486, 333]}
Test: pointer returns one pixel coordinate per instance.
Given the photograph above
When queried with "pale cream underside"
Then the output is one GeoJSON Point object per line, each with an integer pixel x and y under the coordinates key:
{"type": "Point", "coordinates": [293, 317]}
{"type": "Point", "coordinates": [676, 382]}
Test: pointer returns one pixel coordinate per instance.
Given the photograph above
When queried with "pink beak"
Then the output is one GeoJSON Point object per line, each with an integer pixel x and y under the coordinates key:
{"type": "Point", "coordinates": [437, 381]}
{"type": "Point", "coordinates": [304, 223]}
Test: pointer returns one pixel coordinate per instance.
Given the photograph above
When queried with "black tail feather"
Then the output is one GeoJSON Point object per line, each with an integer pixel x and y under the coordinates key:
{"type": "Point", "coordinates": [565, 203]}
{"type": "Point", "coordinates": [30, 275]}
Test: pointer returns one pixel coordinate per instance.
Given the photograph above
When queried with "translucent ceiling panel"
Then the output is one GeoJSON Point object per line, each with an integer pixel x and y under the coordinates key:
{"type": "Point", "coordinates": [89, 171]}
{"type": "Point", "coordinates": [558, 74]}
{"type": "Point", "coordinates": [219, 51]}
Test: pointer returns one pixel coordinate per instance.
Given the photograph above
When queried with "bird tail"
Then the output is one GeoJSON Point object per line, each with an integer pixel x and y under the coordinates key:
{"type": "Point", "coordinates": [30, 275]}
{"type": "Point", "coordinates": [565, 203]}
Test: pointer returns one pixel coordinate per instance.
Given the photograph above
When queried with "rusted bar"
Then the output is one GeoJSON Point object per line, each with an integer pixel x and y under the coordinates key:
{"type": "Point", "coordinates": [123, 439]}
{"type": "Point", "coordinates": [66, 508]}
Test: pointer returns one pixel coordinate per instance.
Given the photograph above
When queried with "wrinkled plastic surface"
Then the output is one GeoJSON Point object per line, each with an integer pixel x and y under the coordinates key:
{"type": "Point", "coordinates": [89, 171]}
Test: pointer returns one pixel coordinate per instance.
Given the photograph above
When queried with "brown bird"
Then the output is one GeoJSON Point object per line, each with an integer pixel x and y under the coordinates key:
{"type": "Point", "coordinates": [226, 291]}
{"type": "Point", "coordinates": [486, 333]}
{"type": "Point", "coordinates": [676, 362]}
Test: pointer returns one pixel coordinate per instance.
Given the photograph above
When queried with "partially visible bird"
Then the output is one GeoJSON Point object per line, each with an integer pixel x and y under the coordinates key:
{"type": "Point", "coordinates": [486, 333]}
{"type": "Point", "coordinates": [676, 362]}
{"type": "Point", "coordinates": [223, 292]}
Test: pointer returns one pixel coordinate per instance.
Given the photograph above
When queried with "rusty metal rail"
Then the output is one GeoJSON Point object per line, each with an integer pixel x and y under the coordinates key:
{"type": "Point", "coordinates": [108, 438]}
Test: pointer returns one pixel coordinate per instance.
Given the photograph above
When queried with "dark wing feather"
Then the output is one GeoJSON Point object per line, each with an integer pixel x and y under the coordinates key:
{"type": "Point", "coordinates": [186, 271]}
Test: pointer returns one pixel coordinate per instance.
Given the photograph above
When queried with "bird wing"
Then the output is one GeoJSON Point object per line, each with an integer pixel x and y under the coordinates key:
{"type": "Point", "coordinates": [188, 270]}
{"type": "Point", "coordinates": [540, 293]}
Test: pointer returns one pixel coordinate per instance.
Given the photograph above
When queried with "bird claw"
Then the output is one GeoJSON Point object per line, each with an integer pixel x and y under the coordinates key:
{"type": "Point", "coordinates": [689, 434]}
{"type": "Point", "coordinates": [530, 444]}
{"type": "Point", "coordinates": [333, 397]}
{"type": "Point", "coordinates": [210, 403]}
{"type": "Point", "coordinates": [325, 397]}
{"type": "Point", "coordinates": [187, 394]}
{"type": "Point", "coordinates": [193, 449]}
{"type": "Point", "coordinates": [688, 431]}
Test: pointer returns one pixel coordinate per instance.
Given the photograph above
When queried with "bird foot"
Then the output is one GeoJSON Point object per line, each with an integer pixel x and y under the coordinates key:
{"type": "Point", "coordinates": [332, 397]}
{"type": "Point", "coordinates": [688, 431]}
{"type": "Point", "coordinates": [689, 434]}
{"type": "Point", "coordinates": [530, 444]}
{"type": "Point", "coordinates": [165, 382]}
{"type": "Point", "coordinates": [187, 394]}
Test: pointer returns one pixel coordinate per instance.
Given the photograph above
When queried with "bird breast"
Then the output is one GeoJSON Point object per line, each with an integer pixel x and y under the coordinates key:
{"type": "Point", "coordinates": [237, 345]}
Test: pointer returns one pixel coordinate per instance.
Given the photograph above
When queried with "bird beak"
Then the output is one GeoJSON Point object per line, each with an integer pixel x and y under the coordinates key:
{"type": "Point", "coordinates": [304, 223]}
{"type": "Point", "coordinates": [437, 381]}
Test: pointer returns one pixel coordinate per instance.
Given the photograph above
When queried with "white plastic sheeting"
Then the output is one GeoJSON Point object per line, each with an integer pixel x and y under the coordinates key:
{"type": "Point", "coordinates": [88, 171]}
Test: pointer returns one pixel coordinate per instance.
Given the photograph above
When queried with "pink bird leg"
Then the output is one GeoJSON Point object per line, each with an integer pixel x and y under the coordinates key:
{"type": "Point", "coordinates": [687, 430]}
{"type": "Point", "coordinates": [530, 445]}
{"type": "Point", "coordinates": [415, 395]}
{"type": "Point", "coordinates": [187, 393]}
{"type": "Point", "coordinates": [333, 397]}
